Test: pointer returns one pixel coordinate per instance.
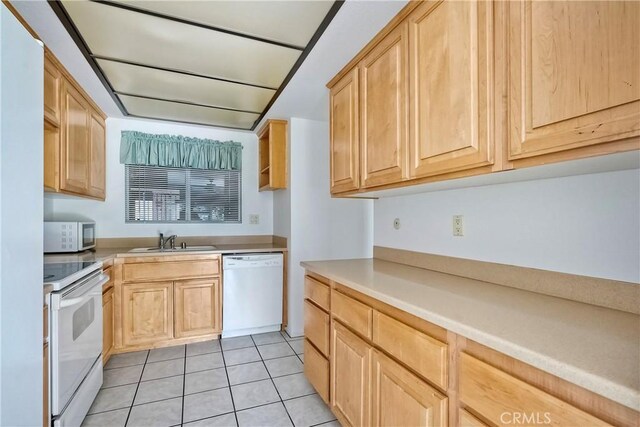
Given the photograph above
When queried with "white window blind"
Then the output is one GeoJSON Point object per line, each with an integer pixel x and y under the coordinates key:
{"type": "Point", "coordinates": [160, 194]}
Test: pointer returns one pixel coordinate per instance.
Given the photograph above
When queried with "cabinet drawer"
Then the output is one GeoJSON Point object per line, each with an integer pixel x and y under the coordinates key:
{"type": "Point", "coordinates": [492, 393]}
{"type": "Point", "coordinates": [422, 353]}
{"type": "Point", "coordinates": [168, 270]}
{"type": "Point", "coordinates": [316, 327]}
{"type": "Point", "coordinates": [316, 369]}
{"type": "Point", "coordinates": [468, 420]}
{"type": "Point", "coordinates": [352, 313]}
{"type": "Point", "coordinates": [317, 292]}
{"type": "Point", "coordinates": [109, 273]}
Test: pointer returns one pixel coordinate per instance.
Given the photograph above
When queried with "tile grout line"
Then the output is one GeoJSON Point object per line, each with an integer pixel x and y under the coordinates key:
{"type": "Point", "coordinates": [273, 383]}
{"type": "Point", "coordinates": [137, 387]}
{"type": "Point", "coordinates": [224, 363]}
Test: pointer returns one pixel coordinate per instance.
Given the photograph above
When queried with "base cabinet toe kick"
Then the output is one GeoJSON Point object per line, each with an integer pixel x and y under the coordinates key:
{"type": "Point", "coordinates": [376, 365]}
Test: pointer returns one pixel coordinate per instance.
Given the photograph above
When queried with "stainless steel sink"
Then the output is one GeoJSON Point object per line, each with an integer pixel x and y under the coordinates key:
{"type": "Point", "coordinates": [187, 249]}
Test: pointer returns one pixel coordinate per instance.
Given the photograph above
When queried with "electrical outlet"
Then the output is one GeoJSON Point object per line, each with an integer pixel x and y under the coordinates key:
{"type": "Point", "coordinates": [458, 229]}
{"type": "Point", "coordinates": [396, 223]}
{"type": "Point", "coordinates": [254, 219]}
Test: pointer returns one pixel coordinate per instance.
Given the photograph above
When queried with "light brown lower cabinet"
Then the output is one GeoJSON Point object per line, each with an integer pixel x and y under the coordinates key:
{"type": "Point", "coordinates": [503, 399]}
{"type": "Point", "coordinates": [389, 368]}
{"type": "Point", "coordinates": [350, 376]}
{"type": "Point", "coordinates": [400, 398]}
{"type": "Point", "coordinates": [195, 307]}
{"type": "Point", "coordinates": [148, 312]}
{"type": "Point", "coordinates": [166, 300]}
{"type": "Point", "coordinates": [107, 325]}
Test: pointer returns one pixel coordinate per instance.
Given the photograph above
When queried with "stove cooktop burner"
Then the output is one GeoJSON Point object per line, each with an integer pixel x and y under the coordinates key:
{"type": "Point", "coordinates": [54, 272]}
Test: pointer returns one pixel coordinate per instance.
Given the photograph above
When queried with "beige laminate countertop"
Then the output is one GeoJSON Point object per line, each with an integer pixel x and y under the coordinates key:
{"type": "Point", "coordinates": [593, 347]}
{"type": "Point", "coordinates": [103, 254]}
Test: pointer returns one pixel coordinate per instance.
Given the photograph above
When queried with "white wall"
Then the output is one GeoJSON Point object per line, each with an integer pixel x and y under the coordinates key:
{"type": "Point", "coordinates": [21, 167]}
{"type": "Point", "coordinates": [321, 227]}
{"type": "Point", "coordinates": [586, 224]}
{"type": "Point", "coordinates": [109, 215]}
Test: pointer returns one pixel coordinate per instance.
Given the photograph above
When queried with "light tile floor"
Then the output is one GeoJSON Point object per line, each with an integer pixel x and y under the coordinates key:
{"type": "Point", "coordinates": [246, 381]}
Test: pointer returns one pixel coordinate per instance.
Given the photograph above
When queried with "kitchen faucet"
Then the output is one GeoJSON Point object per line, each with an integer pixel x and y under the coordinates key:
{"type": "Point", "coordinates": [171, 240]}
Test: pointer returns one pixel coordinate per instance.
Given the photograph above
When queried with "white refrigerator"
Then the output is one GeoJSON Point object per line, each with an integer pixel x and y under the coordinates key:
{"type": "Point", "coordinates": [21, 223]}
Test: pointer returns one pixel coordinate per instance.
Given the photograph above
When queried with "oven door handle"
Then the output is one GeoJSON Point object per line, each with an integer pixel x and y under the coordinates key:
{"type": "Point", "coordinates": [69, 302]}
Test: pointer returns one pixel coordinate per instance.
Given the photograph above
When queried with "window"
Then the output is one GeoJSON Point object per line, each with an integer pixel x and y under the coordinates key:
{"type": "Point", "coordinates": [160, 194]}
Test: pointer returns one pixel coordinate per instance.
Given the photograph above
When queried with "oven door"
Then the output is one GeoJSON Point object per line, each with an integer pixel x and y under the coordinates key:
{"type": "Point", "coordinates": [76, 336]}
{"type": "Point", "coordinates": [86, 235]}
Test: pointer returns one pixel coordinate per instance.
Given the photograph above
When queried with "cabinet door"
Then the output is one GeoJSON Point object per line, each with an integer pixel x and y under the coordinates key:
{"type": "Point", "coordinates": [573, 71]}
{"type": "Point", "coordinates": [399, 398]}
{"type": "Point", "coordinates": [75, 151]}
{"type": "Point", "coordinates": [52, 83]}
{"type": "Point", "coordinates": [197, 307]}
{"type": "Point", "coordinates": [384, 104]}
{"type": "Point", "coordinates": [451, 87]}
{"type": "Point", "coordinates": [107, 325]}
{"type": "Point", "coordinates": [51, 157]}
{"type": "Point", "coordinates": [343, 100]}
{"type": "Point", "coordinates": [147, 312]}
{"type": "Point", "coordinates": [350, 377]}
{"type": "Point", "coordinates": [97, 154]}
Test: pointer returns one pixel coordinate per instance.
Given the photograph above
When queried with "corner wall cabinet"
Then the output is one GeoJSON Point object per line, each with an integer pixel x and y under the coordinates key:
{"type": "Point", "coordinates": [74, 136]}
{"type": "Point", "coordinates": [272, 156]}
{"type": "Point", "coordinates": [386, 367]}
{"type": "Point", "coordinates": [451, 89]}
{"type": "Point", "coordinates": [166, 300]}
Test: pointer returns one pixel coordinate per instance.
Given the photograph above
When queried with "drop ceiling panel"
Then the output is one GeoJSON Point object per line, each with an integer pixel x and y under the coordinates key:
{"type": "Point", "coordinates": [118, 33]}
{"type": "Point", "coordinates": [290, 22]}
{"type": "Point", "coordinates": [168, 85]}
{"type": "Point", "coordinates": [167, 110]}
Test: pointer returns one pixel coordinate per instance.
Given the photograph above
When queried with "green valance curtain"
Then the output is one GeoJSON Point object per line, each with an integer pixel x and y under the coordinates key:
{"type": "Point", "coordinates": [139, 148]}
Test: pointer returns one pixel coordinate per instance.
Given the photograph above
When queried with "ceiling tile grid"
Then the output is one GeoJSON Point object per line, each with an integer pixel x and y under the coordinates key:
{"type": "Point", "coordinates": [216, 63]}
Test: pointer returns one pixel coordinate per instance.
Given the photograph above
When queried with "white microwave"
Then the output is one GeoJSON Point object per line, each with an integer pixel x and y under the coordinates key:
{"type": "Point", "coordinates": [69, 236]}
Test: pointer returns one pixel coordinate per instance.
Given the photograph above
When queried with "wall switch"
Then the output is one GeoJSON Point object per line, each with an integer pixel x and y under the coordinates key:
{"type": "Point", "coordinates": [396, 223]}
{"type": "Point", "coordinates": [254, 219]}
{"type": "Point", "coordinates": [458, 229]}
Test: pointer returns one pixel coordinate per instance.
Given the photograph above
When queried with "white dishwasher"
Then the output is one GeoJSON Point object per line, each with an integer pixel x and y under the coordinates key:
{"type": "Point", "coordinates": [252, 293]}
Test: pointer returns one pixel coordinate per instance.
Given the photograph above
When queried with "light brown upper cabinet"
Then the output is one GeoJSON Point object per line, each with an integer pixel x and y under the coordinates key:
{"type": "Point", "coordinates": [75, 151]}
{"type": "Point", "coordinates": [458, 88]}
{"type": "Point", "coordinates": [451, 47]}
{"type": "Point", "coordinates": [74, 136]}
{"type": "Point", "coordinates": [383, 110]}
{"type": "Point", "coordinates": [272, 166]}
{"type": "Point", "coordinates": [574, 73]}
{"type": "Point", "coordinates": [97, 155]}
{"type": "Point", "coordinates": [52, 83]}
{"type": "Point", "coordinates": [343, 133]}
